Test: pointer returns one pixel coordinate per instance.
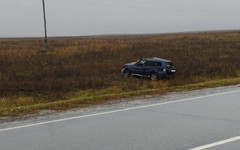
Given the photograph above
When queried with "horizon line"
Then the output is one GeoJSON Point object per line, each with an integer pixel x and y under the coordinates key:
{"type": "Point", "coordinates": [124, 34]}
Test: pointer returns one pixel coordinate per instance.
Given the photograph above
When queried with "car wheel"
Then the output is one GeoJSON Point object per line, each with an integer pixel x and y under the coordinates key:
{"type": "Point", "coordinates": [154, 77]}
{"type": "Point", "coordinates": [126, 74]}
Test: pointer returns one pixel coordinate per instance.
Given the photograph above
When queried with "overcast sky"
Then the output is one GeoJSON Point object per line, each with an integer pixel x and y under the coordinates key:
{"type": "Point", "coordinates": [23, 18]}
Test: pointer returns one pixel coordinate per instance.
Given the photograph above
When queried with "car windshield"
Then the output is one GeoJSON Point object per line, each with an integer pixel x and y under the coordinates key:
{"type": "Point", "coordinates": [140, 62]}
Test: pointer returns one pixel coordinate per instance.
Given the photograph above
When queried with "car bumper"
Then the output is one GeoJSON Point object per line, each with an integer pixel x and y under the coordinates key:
{"type": "Point", "coordinates": [122, 71]}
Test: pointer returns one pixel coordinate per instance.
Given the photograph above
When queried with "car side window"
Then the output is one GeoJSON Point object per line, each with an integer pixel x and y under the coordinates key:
{"type": "Point", "coordinates": [159, 64]}
{"type": "Point", "coordinates": [150, 63]}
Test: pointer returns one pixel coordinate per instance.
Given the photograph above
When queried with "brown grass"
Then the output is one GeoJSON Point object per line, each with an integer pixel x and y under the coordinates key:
{"type": "Point", "coordinates": [89, 63]}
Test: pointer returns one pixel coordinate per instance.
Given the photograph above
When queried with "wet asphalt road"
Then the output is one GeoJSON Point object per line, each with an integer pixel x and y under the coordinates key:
{"type": "Point", "coordinates": [172, 126]}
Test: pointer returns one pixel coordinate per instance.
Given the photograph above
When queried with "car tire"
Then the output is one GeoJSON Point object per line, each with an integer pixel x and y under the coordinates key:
{"type": "Point", "coordinates": [126, 74]}
{"type": "Point", "coordinates": [154, 77]}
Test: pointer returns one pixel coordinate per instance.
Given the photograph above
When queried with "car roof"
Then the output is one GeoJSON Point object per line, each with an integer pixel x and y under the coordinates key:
{"type": "Point", "coordinates": [156, 59]}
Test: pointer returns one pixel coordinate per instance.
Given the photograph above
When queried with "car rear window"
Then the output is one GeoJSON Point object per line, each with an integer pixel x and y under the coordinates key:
{"type": "Point", "coordinates": [169, 64]}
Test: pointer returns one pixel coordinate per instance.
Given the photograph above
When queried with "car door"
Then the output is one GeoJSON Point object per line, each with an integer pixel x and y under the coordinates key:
{"type": "Point", "coordinates": [139, 68]}
{"type": "Point", "coordinates": [160, 68]}
{"type": "Point", "coordinates": [149, 67]}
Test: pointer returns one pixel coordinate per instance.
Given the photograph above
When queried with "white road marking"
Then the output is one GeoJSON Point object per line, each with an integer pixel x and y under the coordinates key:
{"type": "Point", "coordinates": [115, 111]}
{"type": "Point", "coordinates": [217, 143]}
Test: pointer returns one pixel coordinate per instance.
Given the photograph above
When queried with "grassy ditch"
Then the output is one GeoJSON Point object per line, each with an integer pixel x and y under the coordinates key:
{"type": "Point", "coordinates": [83, 71]}
{"type": "Point", "coordinates": [87, 98]}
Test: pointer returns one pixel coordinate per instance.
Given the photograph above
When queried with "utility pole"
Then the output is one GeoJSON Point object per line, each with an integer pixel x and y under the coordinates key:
{"type": "Point", "coordinates": [45, 25]}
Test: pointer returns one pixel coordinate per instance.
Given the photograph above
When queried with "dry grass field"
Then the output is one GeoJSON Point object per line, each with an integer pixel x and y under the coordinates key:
{"type": "Point", "coordinates": [83, 66]}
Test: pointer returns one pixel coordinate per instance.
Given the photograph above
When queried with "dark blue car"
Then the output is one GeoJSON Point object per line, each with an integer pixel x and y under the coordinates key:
{"type": "Point", "coordinates": [154, 68]}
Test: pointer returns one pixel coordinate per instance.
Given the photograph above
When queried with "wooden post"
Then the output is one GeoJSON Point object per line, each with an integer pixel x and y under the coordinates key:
{"type": "Point", "coordinates": [45, 26]}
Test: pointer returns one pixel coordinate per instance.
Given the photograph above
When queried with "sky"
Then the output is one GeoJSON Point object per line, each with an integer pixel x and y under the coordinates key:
{"type": "Point", "coordinates": [24, 18]}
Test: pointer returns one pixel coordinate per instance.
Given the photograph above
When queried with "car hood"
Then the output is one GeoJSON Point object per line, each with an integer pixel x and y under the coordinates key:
{"type": "Point", "coordinates": [130, 64]}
